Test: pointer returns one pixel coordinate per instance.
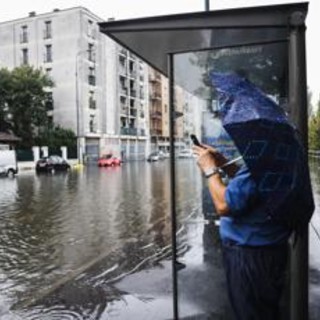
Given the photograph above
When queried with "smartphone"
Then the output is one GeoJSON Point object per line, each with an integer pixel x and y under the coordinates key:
{"type": "Point", "coordinates": [195, 140]}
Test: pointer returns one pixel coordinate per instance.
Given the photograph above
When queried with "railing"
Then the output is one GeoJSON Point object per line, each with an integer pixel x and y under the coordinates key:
{"type": "Point", "coordinates": [124, 90]}
{"type": "Point", "coordinates": [156, 132]}
{"type": "Point", "coordinates": [133, 93]}
{"type": "Point", "coordinates": [129, 131]}
{"type": "Point", "coordinates": [156, 115]}
{"type": "Point", "coordinates": [133, 112]}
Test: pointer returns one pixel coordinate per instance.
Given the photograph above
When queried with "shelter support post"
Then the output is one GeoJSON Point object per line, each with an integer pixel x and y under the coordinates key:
{"type": "Point", "coordinates": [173, 187]}
{"type": "Point", "coordinates": [299, 116]}
{"type": "Point", "coordinates": [207, 5]}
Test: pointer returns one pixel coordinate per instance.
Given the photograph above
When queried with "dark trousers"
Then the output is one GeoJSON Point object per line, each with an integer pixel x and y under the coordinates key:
{"type": "Point", "coordinates": [255, 278]}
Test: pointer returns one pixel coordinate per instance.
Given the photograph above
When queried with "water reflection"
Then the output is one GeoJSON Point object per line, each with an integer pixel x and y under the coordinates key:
{"type": "Point", "coordinates": [94, 226]}
{"type": "Point", "coordinates": [80, 245]}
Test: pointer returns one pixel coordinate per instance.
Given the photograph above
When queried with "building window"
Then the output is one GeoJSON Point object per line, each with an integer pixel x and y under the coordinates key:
{"type": "Point", "coordinates": [25, 56]}
{"type": "Point", "coordinates": [90, 52]}
{"type": "Point", "coordinates": [91, 29]}
{"type": "Point", "coordinates": [92, 101]}
{"type": "Point", "coordinates": [92, 124]}
{"type": "Point", "coordinates": [48, 54]}
{"type": "Point", "coordinates": [92, 77]}
{"type": "Point", "coordinates": [24, 34]}
{"type": "Point", "coordinates": [49, 72]}
{"type": "Point", "coordinates": [49, 101]}
{"type": "Point", "coordinates": [47, 30]}
{"type": "Point", "coordinates": [50, 121]}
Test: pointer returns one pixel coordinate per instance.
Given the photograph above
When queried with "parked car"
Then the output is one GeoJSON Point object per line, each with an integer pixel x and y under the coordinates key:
{"type": "Point", "coordinates": [108, 161]}
{"type": "Point", "coordinates": [8, 163]}
{"type": "Point", "coordinates": [186, 153]}
{"type": "Point", "coordinates": [51, 164]}
{"type": "Point", "coordinates": [155, 156]}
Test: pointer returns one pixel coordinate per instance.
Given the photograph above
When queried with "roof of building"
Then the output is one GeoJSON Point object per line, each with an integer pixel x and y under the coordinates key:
{"type": "Point", "coordinates": [34, 15]}
{"type": "Point", "coordinates": [8, 137]}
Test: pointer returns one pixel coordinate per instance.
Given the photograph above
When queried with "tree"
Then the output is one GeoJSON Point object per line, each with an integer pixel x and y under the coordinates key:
{"type": "Point", "coordinates": [5, 84]}
{"type": "Point", "coordinates": [23, 102]}
{"type": "Point", "coordinates": [54, 137]}
{"type": "Point", "coordinates": [314, 129]}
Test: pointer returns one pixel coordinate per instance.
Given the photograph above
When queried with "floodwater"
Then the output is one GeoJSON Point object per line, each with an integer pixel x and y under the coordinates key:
{"type": "Point", "coordinates": [96, 244]}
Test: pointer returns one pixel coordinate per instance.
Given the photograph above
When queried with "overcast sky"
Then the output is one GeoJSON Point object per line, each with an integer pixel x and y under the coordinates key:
{"type": "Point", "coordinates": [124, 9]}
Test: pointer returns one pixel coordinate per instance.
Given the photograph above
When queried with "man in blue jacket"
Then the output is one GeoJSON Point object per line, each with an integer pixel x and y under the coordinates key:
{"type": "Point", "coordinates": [255, 249]}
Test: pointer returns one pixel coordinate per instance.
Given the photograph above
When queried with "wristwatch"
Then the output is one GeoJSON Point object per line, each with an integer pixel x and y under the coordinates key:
{"type": "Point", "coordinates": [212, 171]}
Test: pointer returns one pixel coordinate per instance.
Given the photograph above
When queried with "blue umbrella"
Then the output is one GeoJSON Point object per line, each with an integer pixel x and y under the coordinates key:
{"type": "Point", "coordinates": [270, 147]}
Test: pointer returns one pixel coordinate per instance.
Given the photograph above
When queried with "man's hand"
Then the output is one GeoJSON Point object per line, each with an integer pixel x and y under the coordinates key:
{"type": "Point", "coordinates": [208, 157]}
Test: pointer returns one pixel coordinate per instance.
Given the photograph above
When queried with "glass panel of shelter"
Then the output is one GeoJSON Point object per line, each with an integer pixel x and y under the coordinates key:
{"type": "Point", "coordinates": [200, 276]}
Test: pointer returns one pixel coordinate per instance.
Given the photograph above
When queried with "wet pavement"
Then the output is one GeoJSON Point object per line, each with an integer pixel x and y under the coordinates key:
{"type": "Point", "coordinates": [96, 244]}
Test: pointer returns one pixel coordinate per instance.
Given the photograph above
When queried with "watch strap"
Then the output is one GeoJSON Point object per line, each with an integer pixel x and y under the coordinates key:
{"type": "Point", "coordinates": [212, 171]}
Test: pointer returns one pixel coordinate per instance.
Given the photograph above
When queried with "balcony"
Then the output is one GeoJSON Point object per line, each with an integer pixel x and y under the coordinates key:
{"type": "Point", "coordinates": [123, 109]}
{"type": "Point", "coordinates": [124, 91]}
{"type": "Point", "coordinates": [133, 112]}
{"type": "Point", "coordinates": [155, 96]}
{"type": "Point", "coordinates": [123, 51]}
{"type": "Point", "coordinates": [133, 93]}
{"type": "Point", "coordinates": [155, 77]}
{"type": "Point", "coordinates": [156, 115]}
{"type": "Point", "coordinates": [128, 131]}
{"type": "Point", "coordinates": [132, 73]}
{"type": "Point", "coordinates": [156, 132]}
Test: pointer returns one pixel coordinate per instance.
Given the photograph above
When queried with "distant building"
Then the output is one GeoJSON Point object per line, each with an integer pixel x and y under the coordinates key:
{"type": "Point", "coordinates": [112, 100]}
{"type": "Point", "coordinates": [84, 64]}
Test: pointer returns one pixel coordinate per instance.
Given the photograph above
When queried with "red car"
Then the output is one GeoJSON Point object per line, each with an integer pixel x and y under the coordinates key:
{"type": "Point", "coordinates": [108, 161]}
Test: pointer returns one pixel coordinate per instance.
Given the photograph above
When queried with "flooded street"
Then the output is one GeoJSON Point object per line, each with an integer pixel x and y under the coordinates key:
{"type": "Point", "coordinates": [73, 245]}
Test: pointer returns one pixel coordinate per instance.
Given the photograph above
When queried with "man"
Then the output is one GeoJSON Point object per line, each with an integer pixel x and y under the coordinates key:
{"type": "Point", "coordinates": [255, 249]}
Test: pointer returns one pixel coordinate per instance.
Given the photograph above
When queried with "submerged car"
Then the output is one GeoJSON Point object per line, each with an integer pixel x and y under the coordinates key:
{"type": "Point", "coordinates": [51, 164]}
{"type": "Point", "coordinates": [109, 161]}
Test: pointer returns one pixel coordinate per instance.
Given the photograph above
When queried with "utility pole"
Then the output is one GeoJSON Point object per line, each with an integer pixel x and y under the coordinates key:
{"type": "Point", "coordinates": [207, 5]}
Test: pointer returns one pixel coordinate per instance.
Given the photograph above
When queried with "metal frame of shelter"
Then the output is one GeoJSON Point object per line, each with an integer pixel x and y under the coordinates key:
{"type": "Point", "coordinates": [157, 39]}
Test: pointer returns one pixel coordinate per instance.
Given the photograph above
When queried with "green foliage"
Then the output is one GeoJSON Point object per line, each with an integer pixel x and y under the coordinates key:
{"type": "Point", "coordinates": [5, 88]}
{"type": "Point", "coordinates": [55, 137]}
{"type": "Point", "coordinates": [22, 102]}
{"type": "Point", "coordinates": [314, 130]}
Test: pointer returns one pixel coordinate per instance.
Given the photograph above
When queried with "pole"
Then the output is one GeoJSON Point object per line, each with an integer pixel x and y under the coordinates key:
{"type": "Point", "coordinates": [173, 187]}
{"type": "Point", "coordinates": [207, 5]}
{"type": "Point", "coordinates": [79, 153]}
{"type": "Point", "coordinates": [298, 102]}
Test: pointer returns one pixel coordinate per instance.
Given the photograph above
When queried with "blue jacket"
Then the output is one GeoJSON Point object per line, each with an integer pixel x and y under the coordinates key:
{"type": "Point", "coordinates": [247, 224]}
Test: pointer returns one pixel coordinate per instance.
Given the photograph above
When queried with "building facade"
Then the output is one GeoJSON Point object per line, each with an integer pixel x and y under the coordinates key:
{"type": "Point", "coordinates": [111, 99]}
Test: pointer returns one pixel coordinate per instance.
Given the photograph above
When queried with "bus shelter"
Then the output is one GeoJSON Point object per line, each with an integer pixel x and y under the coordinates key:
{"type": "Point", "coordinates": [265, 44]}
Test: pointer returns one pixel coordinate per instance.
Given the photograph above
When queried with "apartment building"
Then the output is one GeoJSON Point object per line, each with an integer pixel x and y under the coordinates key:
{"type": "Point", "coordinates": [84, 65]}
